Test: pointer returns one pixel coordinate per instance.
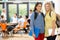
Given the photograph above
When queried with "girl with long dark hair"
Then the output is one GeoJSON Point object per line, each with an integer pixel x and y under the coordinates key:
{"type": "Point", "coordinates": [37, 22]}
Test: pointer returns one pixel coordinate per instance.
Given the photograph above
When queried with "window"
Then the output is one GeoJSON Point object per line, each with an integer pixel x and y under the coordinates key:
{"type": "Point", "coordinates": [22, 9]}
{"type": "Point", "coordinates": [1, 6]}
{"type": "Point", "coordinates": [31, 6]}
{"type": "Point", "coordinates": [36, 0]}
{"type": "Point", "coordinates": [12, 9]}
{"type": "Point", "coordinates": [18, 0]}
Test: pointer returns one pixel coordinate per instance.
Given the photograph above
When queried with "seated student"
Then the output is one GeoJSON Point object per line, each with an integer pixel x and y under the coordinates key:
{"type": "Point", "coordinates": [21, 19]}
{"type": "Point", "coordinates": [14, 19]}
{"type": "Point", "coordinates": [30, 13]}
{"type": "Point", "coordinates": [3, 24]}
{"type": "Point", "coordinates": [21, 25]}
{"type": "Point", "coordinates": [25, 24]}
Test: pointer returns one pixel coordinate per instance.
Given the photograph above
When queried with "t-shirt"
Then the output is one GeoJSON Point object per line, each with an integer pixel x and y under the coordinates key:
{"type": "Point", "coordinates": [48, 22]}
{"type": "Point", "coordinates": [30, 15]}
{"type": "Point", "coordinates": [14, 20]}
{"type": "Point", "coordinates": [21, 20]}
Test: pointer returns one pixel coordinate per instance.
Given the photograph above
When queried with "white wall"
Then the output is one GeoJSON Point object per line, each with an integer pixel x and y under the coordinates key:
{"type": "Point", "coordinates": [57, 6]}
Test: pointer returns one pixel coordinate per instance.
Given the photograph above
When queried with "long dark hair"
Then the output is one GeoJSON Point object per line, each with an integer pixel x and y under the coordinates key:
{"type": "Point", "coordinates": [53, 4]}
{"type": "Point", "coordinates": [35, 16]}
{"type": "Point", "coordinates": [37, 5]}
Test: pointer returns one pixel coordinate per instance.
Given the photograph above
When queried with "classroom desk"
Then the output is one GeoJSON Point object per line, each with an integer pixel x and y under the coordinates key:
{"type": "Point", "coordinates": [5, 25]}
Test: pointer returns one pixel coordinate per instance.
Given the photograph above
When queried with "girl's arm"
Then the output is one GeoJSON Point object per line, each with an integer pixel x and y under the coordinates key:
{"type": "Point", "coordinates": [31, 23]}
{"type": "Point", "coordinates": [53, 24]}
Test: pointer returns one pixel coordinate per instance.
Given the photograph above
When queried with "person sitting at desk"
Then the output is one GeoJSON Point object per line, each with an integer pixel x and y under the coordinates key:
{"type": "Point", "coordinates": [14, 19]}
{"type": "Point", "coordinates": [25, 24]}
{"type": "Point", "coordinates": [3, 25]}
{"type": "Point", "coordinates": [21, 25]}
{"type": "Point", "coordinates": [30, 13]}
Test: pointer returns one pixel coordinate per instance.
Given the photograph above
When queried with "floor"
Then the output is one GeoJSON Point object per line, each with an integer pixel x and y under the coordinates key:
{"type": "Point", "coordinates": [18, 37]}
{"type": "Point", "coordinates": [21, 37]}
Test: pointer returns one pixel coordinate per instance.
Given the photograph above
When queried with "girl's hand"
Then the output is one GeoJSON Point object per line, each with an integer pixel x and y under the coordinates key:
{"type": "Point", "coordinates": [53, 33]}
{"type": "Point", "coordinates": [34, 35]}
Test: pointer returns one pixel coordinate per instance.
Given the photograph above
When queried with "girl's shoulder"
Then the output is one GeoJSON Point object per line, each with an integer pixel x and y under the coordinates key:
{"type": "Point", "coordinates": [42, 14]}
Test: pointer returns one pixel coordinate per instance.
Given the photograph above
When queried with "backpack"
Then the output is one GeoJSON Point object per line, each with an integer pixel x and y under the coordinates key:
{"type": "Point", "coordinates": [57, 20]}
{"type": "Point", "coordinates": [36, 14]}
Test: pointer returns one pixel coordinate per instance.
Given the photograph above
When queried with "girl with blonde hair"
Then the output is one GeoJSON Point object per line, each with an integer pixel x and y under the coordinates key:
{"type": "Point", "coordinates": [50, 21]}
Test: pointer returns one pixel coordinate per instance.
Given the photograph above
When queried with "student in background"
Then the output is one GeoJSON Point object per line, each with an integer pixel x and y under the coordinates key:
{"type": "Point", "coordinates": [37, 22]}
{"type": "Point", "coordinates": [3, 25]}
{"type": "Point", "coordinates": [21, 19]}
{"type": "Point", "coordinates": [4, 14]}
{"type": "Point", "coordinates": [21, 25]}
{"type": "Point", "coordinates": [14, 19]}
{"type": "Point", "coordinates": [2, 18]}
{"type": "Point", "coordinates": [30, 13]}
{"type": "Point", "coordinates": [50, 21]}
{"type": "Point", "coordinates": [25, 24]}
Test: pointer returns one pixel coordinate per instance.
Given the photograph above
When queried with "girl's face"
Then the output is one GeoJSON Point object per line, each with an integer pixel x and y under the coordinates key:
{"type": "Point", "coordinates": [47, 7]}
{"type": "Point", "coordinates": [39, 7]}
{"type": "Point", "coordinates": [15, 15]}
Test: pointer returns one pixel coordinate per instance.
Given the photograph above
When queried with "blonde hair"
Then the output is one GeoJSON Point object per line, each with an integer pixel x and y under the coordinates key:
{"type": "Point", "coordinates": [51, 6]}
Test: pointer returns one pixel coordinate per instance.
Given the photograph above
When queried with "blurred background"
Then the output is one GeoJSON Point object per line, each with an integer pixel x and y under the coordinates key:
{"type": "Point", "coordinates": [22, 7]}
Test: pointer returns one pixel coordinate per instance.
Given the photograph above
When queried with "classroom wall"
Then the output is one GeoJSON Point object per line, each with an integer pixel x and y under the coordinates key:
{"type": "Point", "coordinates": [57, 6]}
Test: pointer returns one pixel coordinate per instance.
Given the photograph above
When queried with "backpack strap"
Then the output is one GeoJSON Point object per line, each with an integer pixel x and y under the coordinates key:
{"type": "Point", "coordinates": [43, 15]}
{"type": "Point", "coordinates": [35, 15]}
